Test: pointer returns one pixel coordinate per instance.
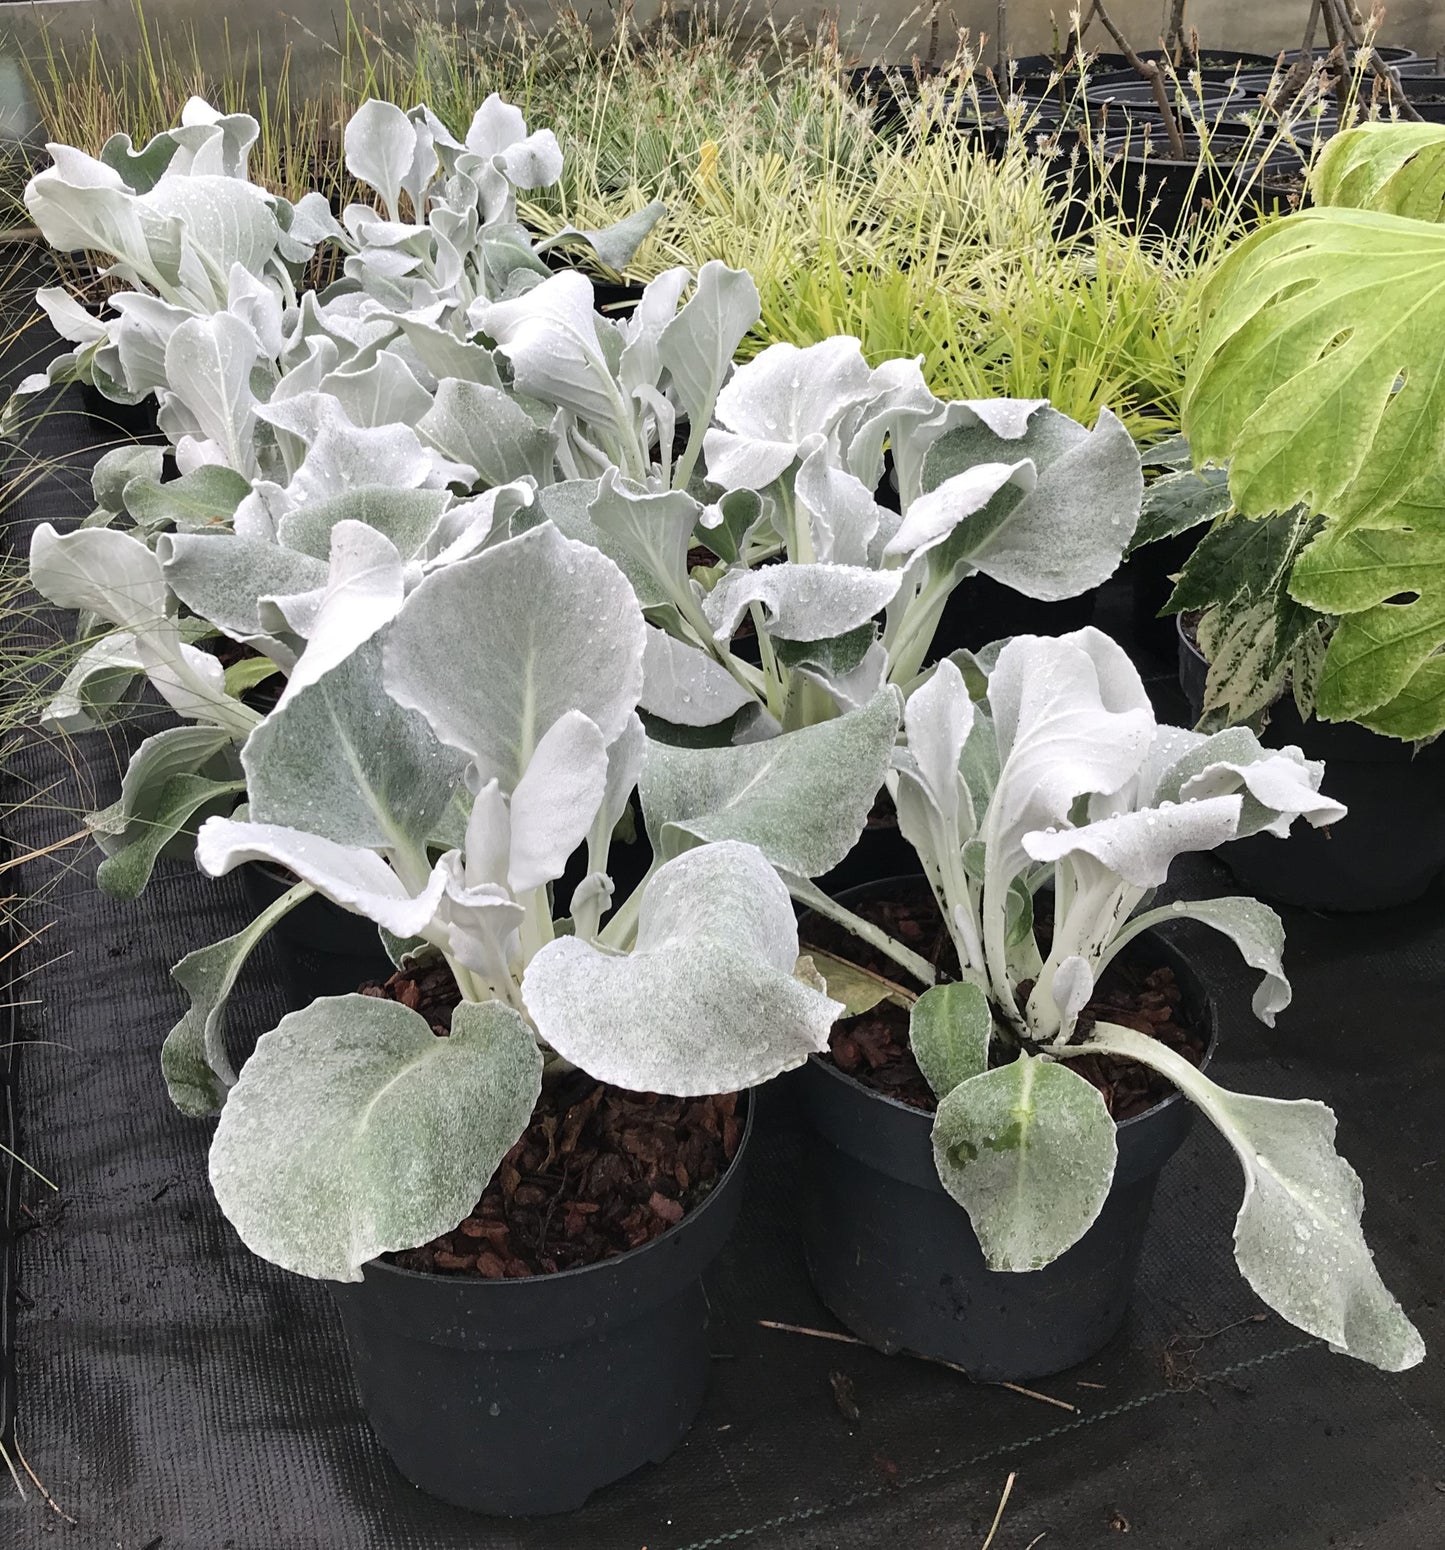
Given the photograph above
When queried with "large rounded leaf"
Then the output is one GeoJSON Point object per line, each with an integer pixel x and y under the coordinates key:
{"type": "Point", "coordinates": [355, 1130]}
{"type": "Point", "coordinates": [706, 1002]}
{"type": "Point", "coordinates": [547, 626]}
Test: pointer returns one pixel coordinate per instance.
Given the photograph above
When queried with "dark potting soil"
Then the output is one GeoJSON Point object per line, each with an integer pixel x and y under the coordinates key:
{"type": "Point", "coordinates": [874, 1049]}
{"type": "Point", "coordinates": [598, 1171]}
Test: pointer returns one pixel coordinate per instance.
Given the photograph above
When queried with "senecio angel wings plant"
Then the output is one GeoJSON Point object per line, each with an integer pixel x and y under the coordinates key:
{"type": "Point", "coordinates": [436, 782]}
{"type": "Point", "coordinates": [1060, 776]}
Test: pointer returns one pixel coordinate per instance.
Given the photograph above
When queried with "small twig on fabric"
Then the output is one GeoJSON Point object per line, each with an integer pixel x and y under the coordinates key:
{"type": "Point", "coordinates": [50, 1501]}
{"type": "Point", "coordinates": [933, 1361]}
{"type": "Point", "coordinates": [1002, 1503]}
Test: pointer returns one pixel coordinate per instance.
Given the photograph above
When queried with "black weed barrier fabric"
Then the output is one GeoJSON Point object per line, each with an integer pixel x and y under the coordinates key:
{"type": "Point", "coordinates": [176, 1393]}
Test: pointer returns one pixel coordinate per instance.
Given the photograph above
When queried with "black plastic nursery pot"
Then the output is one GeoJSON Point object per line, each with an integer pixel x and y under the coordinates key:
{"type": "Point", "coordinates": [981, 610]}
{"type": "Point", "coordinates": [328, 951]}
{"type": "Point", "coordinates": [523, 1397]}
{"type": "Point", "coordinates": [1389, 849]}
{"type": "Point", "coordinates": [895, 1257]}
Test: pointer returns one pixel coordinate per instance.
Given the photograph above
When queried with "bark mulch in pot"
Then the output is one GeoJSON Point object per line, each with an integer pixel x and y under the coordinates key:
{"type": "Point", "coordinates": [598, 1171]}
{"type": "Point", "coordinates": [873, 1048]}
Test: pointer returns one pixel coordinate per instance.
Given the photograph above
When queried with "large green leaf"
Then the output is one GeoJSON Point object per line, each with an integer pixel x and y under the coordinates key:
{"type": "Point", "coordinates": [1383, 666]}
{"type": "Point", "coordinates": [354, 1129]}
{"type": "Point", "coordinates": [1398, 169]}
{"type": "Point", "coordinates": [1321, 372]}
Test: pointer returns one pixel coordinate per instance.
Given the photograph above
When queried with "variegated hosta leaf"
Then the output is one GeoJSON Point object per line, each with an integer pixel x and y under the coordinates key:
{"type": "Point", "coordinates": [341, 759]}
{"type": "Point", "coordinates": [355, 1130]}
{"type": "Point", "coordinates": [949, 1032]}
{"type": "Point", "coordinates": [802, 798]}
{"type": "Point", "coordinates": [1028, 1150]}
{"type": "Point", "coordinates": [552, 626]}
{"type": "Point", "coordinates": [802, 602]}
{"type": "Point", "coordinates": [775, 402]}
{"type": "Point", "coordinates": [705, 1002]}
{"type": "Point", "coordinates": [1298, 1238]}
{"type": "Point", "coordinates": [194, 1061]}
{"type": "Point", "coordinates": [682, 684]}
{"type": "Point", "coordinates": [1067, 531]}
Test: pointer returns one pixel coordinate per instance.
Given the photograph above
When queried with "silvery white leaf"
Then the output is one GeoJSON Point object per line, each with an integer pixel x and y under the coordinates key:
{"type": "Point", "coordinates": [225, 221]}
{"type": "Point", "coordinates": [476, 522]}
{"type": "Point", "coordinates": [407, 517]}
{"type": "Point", "coordinates": [933, 518]}
{"type": "Point", "coordinates": [1056, 741]}
{"type": "Point", "coordinates": [258, 305]}
{"type": "Point", "coordinates": [487, 851]}
{"type": "Point", "coordinates": [380, 146]}
{"type": "Point", "coordinates": [222, 579]}
{"type": "Point", "coordinates": [550, 336]}
{"type": "Point", "coordinates": [802, 798]}
{"type": "Point", "coordinates": [1297, 1238]}
{"type": "Point", "coordinates": [682, 684]}
{"type": "Point", "coordinates": [194, 1061]}
{"type": "Point", "coordinates": [362, 592]}
{"type": "Point", "coordinates": [1284, 784]}
{"type": "Point", "coordinates": [354, 1129]}
{"type": "Point", "coordinates": [478, 926]}
{"type": "Point", "coordinates": [655, 528]}
{"type": "Point", "coordinates": [157, 760]}
{"type": "Point", "coordinates": [553, 627]}
{"type": "Point", "coordinates": [616, 245]}
{"type": "Point", "coordinates": [1066, 533]}
{"type": "Point", "coordinates": [99, 571]}
{"type": "Point", "coordinates": [706, 1002]}
{"type": "Point", "coordinates": [385, 393]}
{"type": "Point", "coordinates": [625, 758]}
{"type": "Point", "coordinates": [358, 880]}
{"type": "Point", "coordinates": [208, 367]}
{"type": "Point", "coordinates": [342, 760]}
{"type": "Point", "coordinates": [1028, 1150]}
{"type": "Point", "coordinates": [1139, 846]}
{"type": "Point", "coordinates": [93, 685]}
{"type": "Point", "coordinates": [556, 800]}
{"type": "Point", "coordinates": [641, 365]}
{"type": "Point", "coordinates": [801, 602]}
{"type": "Point", "coordinates": [698, 346]}
{"type": "Point", "coordinates": [775, 402]}
{"type": "Point", "coordinates": [67, 317]}
{"type": "Point", "coordinates": [344, 457]}
{"type": "Point", "coordinates": [1072, 986]}
{"type": "Point", "coordinates": [842, 515]}
{"type": "Point", "coordinates": [937, 721]}
{"type": "Point", "coordinates": [472, 422]}
{"type": "Point", "coordinates": [80, 203]}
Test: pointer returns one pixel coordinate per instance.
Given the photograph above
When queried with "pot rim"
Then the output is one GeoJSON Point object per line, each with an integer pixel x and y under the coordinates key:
{"type": "Point", "coordinates": [821, 1062]}
{"type": "Point", "coordinates": [629, 1257]}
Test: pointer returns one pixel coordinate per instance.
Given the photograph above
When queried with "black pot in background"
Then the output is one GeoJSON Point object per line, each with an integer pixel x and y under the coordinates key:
{"type": "Point", "coordinates": [1148, 574]}
{"type": "Point", "coordinates": [616, 299]}
{"type": "Point", "coordinates": [135, 420]}
{"type": "Point", "coordinates": [895, 1257]}
{"type": "Point", "coordinates": [1390, 848]}
{"type": "Point", "coordinates": [1388, 54]}
{"type": "Point", "coordinates": [523, 1397]}
{"type": "Point", "coordinates": [1154, 189]}
{"type": "Point", "coordinates": [981, 610]}
{"type": "Point", "coordinates": [327, 951]}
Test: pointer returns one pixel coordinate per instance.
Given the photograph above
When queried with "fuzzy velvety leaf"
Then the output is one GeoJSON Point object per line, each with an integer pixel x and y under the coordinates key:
{"type": "Point", "coordinates": [194, 1062]}
{"type": "Point", "coordinates": [682, 684]}
{"type": "Point", "coordinates": [206, 497]}
{"type": "Point", "coordinates": [949, 1032]}
{"type": "Point", "coordinates": [343, 760]}
{"type": "Point", "coordinates": [1066, 531]}
{"type": "Point", "coordinates": [802, 798]}
{"type": "Point", "coordinates": [698, 346]}
{"type": "Point", "coordinates": [472, 422]}
{"type": "Point", "coordinates": [125, 872]}
{"type": "Point", "coordinates": [354, 1129]}
{"type": "Point", "coordinates": [802, 602]}
{"type": "Point", "coordinates": [1297, 1238]}
{"type": "Point", "coordinates": [705, 1002]}
{"type": "Point", "coordinates": [553, 626]}
{"type": "Point", "coordinates": [1028, 1150]}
